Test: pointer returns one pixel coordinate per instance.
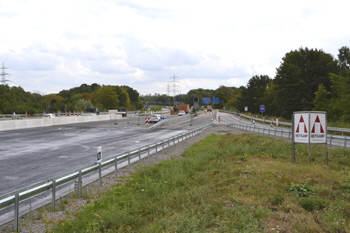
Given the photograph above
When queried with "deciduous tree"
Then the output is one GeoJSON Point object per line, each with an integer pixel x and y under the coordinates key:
{"type": "Point", "coordinates": [253, 94]}
{"type": "Point", "coordinates": [105, 98]}
{"type": "Point", "coordinates": [298, 77]}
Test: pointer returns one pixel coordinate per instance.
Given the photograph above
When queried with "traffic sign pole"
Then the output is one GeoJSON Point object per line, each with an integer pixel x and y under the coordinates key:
{"type": "Point", "coordinates": [309, 128]}
{"type": "Point", "coordinates": [262, 109]}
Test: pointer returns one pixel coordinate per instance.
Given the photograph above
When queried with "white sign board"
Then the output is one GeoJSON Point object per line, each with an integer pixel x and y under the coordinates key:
{"type": "Point", "coordinates": [318, 128]}
{"type": "Point", "coordinates": [301, 127]}
{"type": "Point", "coordinates": [310, 127]}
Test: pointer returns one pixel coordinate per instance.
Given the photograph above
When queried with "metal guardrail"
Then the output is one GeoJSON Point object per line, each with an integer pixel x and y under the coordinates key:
{"type": "Point", "coordinates": [263, 121]}
{"type": "Point", "coordinates": [341, 130]}
{"type": "Point", "coordinates": [288, 134]}
{"type": "Point", "coordinates": [288, 124]}
{"type": "Point", "coordinates": [16, 197]}
{"type": "Point", "coordinates": [264, 130]}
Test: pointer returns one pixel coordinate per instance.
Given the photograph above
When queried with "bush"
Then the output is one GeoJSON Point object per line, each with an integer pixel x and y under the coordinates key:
{"type": "Point", "coordinates": [302, 190]}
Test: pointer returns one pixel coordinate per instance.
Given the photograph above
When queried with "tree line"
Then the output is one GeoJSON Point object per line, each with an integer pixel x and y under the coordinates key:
{"type": "Point", "coordinates": [15, 99]}
{"type": "Point", "coordinates": [306, 80]}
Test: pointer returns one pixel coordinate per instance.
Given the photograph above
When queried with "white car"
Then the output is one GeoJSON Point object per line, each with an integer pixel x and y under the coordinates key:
{"type": "Point", "coordinates": [155, 118]}
{"type": "Point", "coordinates": [182, 113]}
{"type": "Point", "coordinates": [48, 115]}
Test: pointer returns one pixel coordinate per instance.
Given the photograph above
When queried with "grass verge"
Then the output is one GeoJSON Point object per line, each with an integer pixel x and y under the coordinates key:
{"type": "Point", "coordinates": [228, 183]}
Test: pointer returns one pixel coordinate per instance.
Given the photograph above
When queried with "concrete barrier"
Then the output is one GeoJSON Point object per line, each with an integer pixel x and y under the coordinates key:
{"type": "Point", "coordinates": [31, 123]}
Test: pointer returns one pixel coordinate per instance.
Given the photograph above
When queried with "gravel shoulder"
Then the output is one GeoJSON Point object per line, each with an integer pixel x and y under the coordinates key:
{"type": "Point", "coordinates": [40, 220]}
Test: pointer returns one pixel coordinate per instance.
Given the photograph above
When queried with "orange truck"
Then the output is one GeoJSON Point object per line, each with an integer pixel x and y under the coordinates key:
{"type": "Point", "coordinates": [184, 107]}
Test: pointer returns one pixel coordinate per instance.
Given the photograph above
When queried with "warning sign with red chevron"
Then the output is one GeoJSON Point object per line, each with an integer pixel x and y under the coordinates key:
{"type": "Point", "coordinates": [318, 126]}
{"type": "Point", "coordinates": [301, 128]}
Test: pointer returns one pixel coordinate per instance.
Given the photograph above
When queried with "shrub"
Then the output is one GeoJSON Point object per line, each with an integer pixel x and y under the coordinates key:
{"type": "Point", "coordinates": [302, 190]}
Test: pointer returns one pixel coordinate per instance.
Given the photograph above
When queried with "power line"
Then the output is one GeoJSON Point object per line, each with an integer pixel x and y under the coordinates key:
{"type": "Point", "coordinates": [173, 86]}
{"type": "Point", "coordinates": [3, 75]}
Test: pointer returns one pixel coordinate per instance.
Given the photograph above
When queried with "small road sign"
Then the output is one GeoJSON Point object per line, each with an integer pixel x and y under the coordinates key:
{"type": "Point", "coordinates": [262, 108]}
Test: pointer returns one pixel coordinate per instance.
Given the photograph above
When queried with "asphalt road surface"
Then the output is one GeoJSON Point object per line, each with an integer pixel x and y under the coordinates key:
{"type": "Point", "coordinates": [28, 156]}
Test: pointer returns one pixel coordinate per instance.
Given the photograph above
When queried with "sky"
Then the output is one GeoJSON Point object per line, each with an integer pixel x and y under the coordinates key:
{"type": "Point", "coordinates": [160, 46]}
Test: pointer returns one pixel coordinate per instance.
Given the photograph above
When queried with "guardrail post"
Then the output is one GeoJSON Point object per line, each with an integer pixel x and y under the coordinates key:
{"type": "Point", "coordinates": [100, 174]}
{"type": "Point", "coordinates": [116, 167]}
{"type": "Point", "coordinates": [156, 147]}
{"type": "Point", "coordinates": [344, 142]}
{"type": "Point", "coordinates": [129, 161]}
{"type": "Point", "coordinates": [53, 201]}
{"type": "Point", "coordinates": [139, 156]}
{"type": "Point", "coordinates": [16, 215]}
{"type": "Point", "coordinates": [148, 152]}
{"type": "Point", "coordinates": [330, 141]}
{"type": "Point", "coordinates": [163, 144]}
{"type": "Point", "coordinates": [80, 184]}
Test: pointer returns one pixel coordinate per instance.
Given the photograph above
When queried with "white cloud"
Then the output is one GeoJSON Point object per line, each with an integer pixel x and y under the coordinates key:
{"type": "Point", "coordinates": [49, 46]}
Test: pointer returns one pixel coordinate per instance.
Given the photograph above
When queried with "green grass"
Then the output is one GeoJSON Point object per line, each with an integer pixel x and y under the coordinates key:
{"type": "Point", "coordinates": [228, 183]}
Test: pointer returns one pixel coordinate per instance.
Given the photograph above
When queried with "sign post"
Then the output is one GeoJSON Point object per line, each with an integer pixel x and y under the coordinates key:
{"type": "Point", "coordinates": [262, 109]}
{"type": "Point", "coordinates": [309, 128]}
{"type": "Point", "coordinates": [99, 154]}
{"type": "Point", "coordinates": [99, 160]}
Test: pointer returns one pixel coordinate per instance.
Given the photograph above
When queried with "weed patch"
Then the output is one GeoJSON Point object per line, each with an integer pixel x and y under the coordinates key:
{"type": "Point", "coordinates": [301, 190]}
{"type": "Point", "coordinates": [227, 183]}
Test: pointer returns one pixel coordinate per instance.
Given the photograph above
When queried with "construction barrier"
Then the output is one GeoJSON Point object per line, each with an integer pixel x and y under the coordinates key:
{"type": "Point", "coordinates": [32, 123]}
